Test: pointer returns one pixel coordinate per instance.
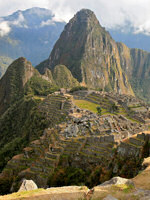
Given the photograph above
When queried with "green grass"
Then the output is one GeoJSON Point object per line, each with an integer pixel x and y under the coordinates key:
{"type": "Point", "coordinates": [23, 194]}
{"type": "Point", "coordinates": [39, 97]}
{"type": "Point", "coordinates": [83, 104]}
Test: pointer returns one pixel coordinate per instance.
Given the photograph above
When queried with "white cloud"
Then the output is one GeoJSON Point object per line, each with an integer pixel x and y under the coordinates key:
{"type": "Point", "coordinates": [51, 21]}
{"type": "Point", "coordinates": [4, 28]}
{"type": "Point", "coordinates": [47, 23]}
{"type": "Point", "coordinates": [20, 22]}
{"type": "Point", "coordinates": [111, 13]}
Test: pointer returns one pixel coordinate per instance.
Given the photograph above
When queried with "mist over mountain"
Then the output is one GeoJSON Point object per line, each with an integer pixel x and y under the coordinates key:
{"type": "Point", "coordinates": [30, 33]}
{"type": "Point", "coordinates": [130, 36]}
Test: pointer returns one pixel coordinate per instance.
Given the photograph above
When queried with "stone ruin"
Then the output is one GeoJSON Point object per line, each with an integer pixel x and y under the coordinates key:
{"type": "Point", "coordinates": [82, 138]}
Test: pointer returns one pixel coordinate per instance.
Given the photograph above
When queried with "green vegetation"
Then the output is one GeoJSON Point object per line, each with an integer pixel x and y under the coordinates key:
{"type": "Point", "coordinates": [86, 105]}
{"type": "Point", "coordinates": [63, 77]}
{"type": "Point", "coordinates": [99, 110]}
{"type": "Point", "coordinates": [67, 176]}
{"type": "Point", "coordinates": [5, 185]}
{"type": "Point", "coordinates": [16, 130]}
{"type": "Point", "coordinates": [12, 83]}
{"type": "Point", "coordinates": [24, 194]}
{"type": "Point", "coordinates": [78, 88]}
{"type": "Point", "coordinates": [38, 86]}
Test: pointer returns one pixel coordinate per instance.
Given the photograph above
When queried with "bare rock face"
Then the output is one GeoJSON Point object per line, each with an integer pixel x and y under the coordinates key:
{"type": "Point", "coordinates": [27, 185]}
{"type": "Point", "coordinates": [117, 181]}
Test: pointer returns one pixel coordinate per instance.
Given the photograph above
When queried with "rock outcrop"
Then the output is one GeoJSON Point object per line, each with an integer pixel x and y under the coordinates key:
{"type": "Point", "coordinates": [117, 181]}
{"type": "Point", "coordinates": [136, 64]}
{"type": "Point", "coordinates": [27, 185]}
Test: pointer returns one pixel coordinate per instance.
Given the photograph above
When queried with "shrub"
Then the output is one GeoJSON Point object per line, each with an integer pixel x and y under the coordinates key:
{"type": "Point", "coordinates": [99, 110]}
{"type": "Point", "coordinates": [78, 88]}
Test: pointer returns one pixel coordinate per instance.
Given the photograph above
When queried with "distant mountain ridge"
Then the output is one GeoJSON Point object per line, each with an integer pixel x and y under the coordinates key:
{"type": "Point", "coordinates": [30, 33]}
{"type": "Point", "coordinates": [130, 36]}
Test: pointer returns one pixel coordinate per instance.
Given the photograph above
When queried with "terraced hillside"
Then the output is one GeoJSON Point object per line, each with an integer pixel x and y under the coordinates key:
{"type": "Point", "coordinates": [80, 139]}
{"type": "Point", "coordinates": [55, 108]}
{"type": "Point", "coordinates": [115, 104]}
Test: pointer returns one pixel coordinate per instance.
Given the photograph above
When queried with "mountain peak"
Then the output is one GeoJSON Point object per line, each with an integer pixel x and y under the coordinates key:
{"type": "Point", "coordinates": [84, 16]}
{"type": "Point", "coordinates": [13, 82]}
{"type": "Point", "coordinates": [39, 11]}
{"type": "Point", "coordinates": [85, 12]}
{"type": "Point", "coordinates": [90, 54]}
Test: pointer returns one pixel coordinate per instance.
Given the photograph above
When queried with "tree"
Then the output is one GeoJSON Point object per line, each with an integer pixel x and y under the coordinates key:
{"type": "Point", "coordinates": [99, 110]}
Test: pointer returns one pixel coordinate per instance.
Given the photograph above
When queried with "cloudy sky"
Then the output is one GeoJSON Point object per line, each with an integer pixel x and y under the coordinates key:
{"type": "Point", "coordinates": [111, 13]}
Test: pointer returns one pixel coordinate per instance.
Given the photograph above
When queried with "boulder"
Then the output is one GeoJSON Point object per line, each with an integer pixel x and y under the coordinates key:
{"type": "Point", "coordinates": [27, 185]}
{"type": "Point", "coordinates": [117, 181]}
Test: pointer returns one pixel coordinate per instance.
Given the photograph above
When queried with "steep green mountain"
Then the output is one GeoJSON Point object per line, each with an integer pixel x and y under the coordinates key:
{"type": "Point", "coordinates": [136, 64]}
{"type": "Point", "coordinates": [21, 78]}
{"type": "Point", "coordinates": [30, 33]}
{"type": "Point", "coordinates": [13, 82]}
{"type": "Point", "coordinates": [63, 77]}
{"type": "Point", "coordinates": [60, 75]}
{"type": "Point", "coordinates": [97, 61]}
{"type": "Point", "coordinates": [4, 63]}
{"type": "Point", "coordinates": [90, 53]}
{"type": "Point", "coordinates": [22, 114]}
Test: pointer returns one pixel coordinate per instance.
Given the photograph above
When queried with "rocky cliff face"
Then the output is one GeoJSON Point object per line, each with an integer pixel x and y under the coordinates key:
{"type": "Point", "coordinates": [136, 64]}
{"type": "Point", "coordinates": [90, 53]}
